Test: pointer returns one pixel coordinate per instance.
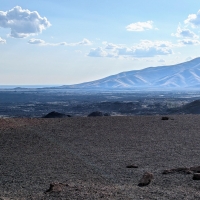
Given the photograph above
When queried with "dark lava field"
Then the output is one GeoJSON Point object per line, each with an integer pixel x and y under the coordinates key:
{"type": "Point", "coordinates": [38, 102]}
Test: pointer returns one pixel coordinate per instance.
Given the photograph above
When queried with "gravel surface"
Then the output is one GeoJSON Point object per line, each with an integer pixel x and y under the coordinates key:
{"type": "Point", "coordinates": [89, 157]}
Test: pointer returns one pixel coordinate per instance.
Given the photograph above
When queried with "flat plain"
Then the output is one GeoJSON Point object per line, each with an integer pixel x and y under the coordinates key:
{"type": "Point", "coordinates": [89, 156]}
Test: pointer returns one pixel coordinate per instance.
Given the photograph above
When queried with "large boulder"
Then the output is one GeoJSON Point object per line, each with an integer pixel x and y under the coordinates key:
{"type": "Point", "coordinates": [165, 118]}
{"type": "Point", "coordinates": [106, 114]}
{"type": "Point", "coordinates": [98, 114]}
{"type": "Point", "coordinates": [55, 115]}
{"type": "Point", "coordinates": [95, 114]}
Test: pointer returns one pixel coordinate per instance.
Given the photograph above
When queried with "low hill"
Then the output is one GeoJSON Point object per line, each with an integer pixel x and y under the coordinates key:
{"type": "Point", "coordinates": [190, 108]}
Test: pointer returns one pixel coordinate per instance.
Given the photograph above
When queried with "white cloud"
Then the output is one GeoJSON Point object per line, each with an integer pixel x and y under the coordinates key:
{"type": "Point", "coordinates": [2, 41]}
{"type": "Point", "coordinates": [186, 33]}
{"type": "Point", "coordinates": [36, 41]}
{"type": "Point", "coordinates": [189, 42]}
{"type": "Point", "coordinates": [97, 52]}
{"type": "Point", "coordinates": [23, 23]}
{"type": "Point", "coordinates": [193, 20]}
{"type": "Point", "coordinates": [62, 44]}
{"type": "Point", "coordinates": [161, 60]}
{"type": "Point", "coordinates": [145, 48]}
{"type": "Point", "coordinates": [158, 44]}
{"type": "Point", "coordinates": [42, 42]}
{"type": "Point", "coordinates": [140, 26]}
{"type": "Point", "coordinates": [146, 52]}
{"type": "Point", "coordinates": [111, 46]}
{"type": "Point", "coordinates": [85, 42]}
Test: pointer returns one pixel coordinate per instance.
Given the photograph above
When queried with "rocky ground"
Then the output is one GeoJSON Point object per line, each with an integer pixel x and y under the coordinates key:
{"type": "Point", "coordinates": [99, 157]}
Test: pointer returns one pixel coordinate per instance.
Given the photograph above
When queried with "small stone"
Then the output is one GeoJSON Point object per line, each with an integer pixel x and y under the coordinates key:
{"type": "Point", "coordinates": [56, 187]}
{"type": "Point", "coordinates": [167, 171]}
{"type": "Point", "coordinates": [196, 176]}
{"type": "Point", "coordinates": [195, 169]}
{"type": "Point", "coordinates": [146, 179]}
{"type": "Point", "coordinates": [131, 166]}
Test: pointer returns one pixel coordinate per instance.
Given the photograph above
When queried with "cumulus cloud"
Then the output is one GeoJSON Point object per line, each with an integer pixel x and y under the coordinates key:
{"type": "Point", "coordinates": [42, 42]}
{"type": "Point", "coordinates": [111, 46]}
{"type": "Point", "coordinates": [99, 52]}
{"type": "Point", "coordinates": [140, 26]}
{"type": "Point", "coordinates": [2, 41]}
{"type": "Point", "coordinates": [145, 48]}
{"type": "Point", "coordinates": [85, 42]}
{"type": "Point", "coordinates": [189, 42]}
{"type": "Point", "coordinates": [23, 23]}
{"type": "Point", "coordinates": [193, 20]}
{"type": "Point", "coordinates": [186, 33]}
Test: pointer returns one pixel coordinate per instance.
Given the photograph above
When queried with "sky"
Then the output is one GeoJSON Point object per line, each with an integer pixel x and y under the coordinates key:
{"type": "Point", "coordinates": [56, 42]}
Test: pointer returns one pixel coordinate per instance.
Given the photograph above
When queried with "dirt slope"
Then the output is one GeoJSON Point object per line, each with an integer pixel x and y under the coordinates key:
{"type": "Point", "coordinates": [89, 157]}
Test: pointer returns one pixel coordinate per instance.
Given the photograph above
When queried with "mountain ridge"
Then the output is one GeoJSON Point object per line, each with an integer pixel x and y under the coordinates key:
{"type": "Point", "coordinates": [181, 75]}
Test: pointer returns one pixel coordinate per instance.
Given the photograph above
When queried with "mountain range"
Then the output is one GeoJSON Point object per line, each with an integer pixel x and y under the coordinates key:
{"type": "Point", "coordinates": [179, 76]}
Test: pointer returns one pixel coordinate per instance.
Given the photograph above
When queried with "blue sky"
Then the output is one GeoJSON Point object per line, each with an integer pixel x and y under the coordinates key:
{"type": "Point", "coordinates": [66, 42]}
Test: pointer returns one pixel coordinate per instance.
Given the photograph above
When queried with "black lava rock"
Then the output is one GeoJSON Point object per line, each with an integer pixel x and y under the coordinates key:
{"type": "Point", "coordinates": [95, 114]}
{"type": "Point", "coordinates": [107, 114]}
{"type": "Point", "coordinates": [165, 118]}
{"type": "Point", "coordinates": [55, 115]}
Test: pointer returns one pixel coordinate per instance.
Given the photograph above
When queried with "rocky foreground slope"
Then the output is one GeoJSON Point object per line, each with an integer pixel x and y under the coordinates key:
{"type": "Point", "coordinates": [100, 158]}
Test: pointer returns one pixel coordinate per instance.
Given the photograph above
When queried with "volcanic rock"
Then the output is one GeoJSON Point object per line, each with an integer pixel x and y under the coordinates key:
{"type": "Point", "coordinates": [107, 114]}
{"type": "Point", "coordinates": [196, 176]}
{"type": "Point", "coordinates": [195, 169]}
{"type": "Point", "coordinates": [146, 179]}
{"type": "Point", "coordinates": [55, 115]}
{"type": "Point", "coordinates": [165, 118]}
{"type": "Point", "coordinates": [56, 187]}
{"type": "Point", "coordinates": [178, 170]}
{"type": "Point", "coordinates": [131, 166]}
{"type": "Point", "coordinates": [184, 170]}
{"type": "Point", "coordinates": [95, 114]}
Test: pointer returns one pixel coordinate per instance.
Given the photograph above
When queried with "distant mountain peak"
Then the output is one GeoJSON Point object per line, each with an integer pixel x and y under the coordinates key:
{"type": "Point", "coordinates": [182, 75]}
